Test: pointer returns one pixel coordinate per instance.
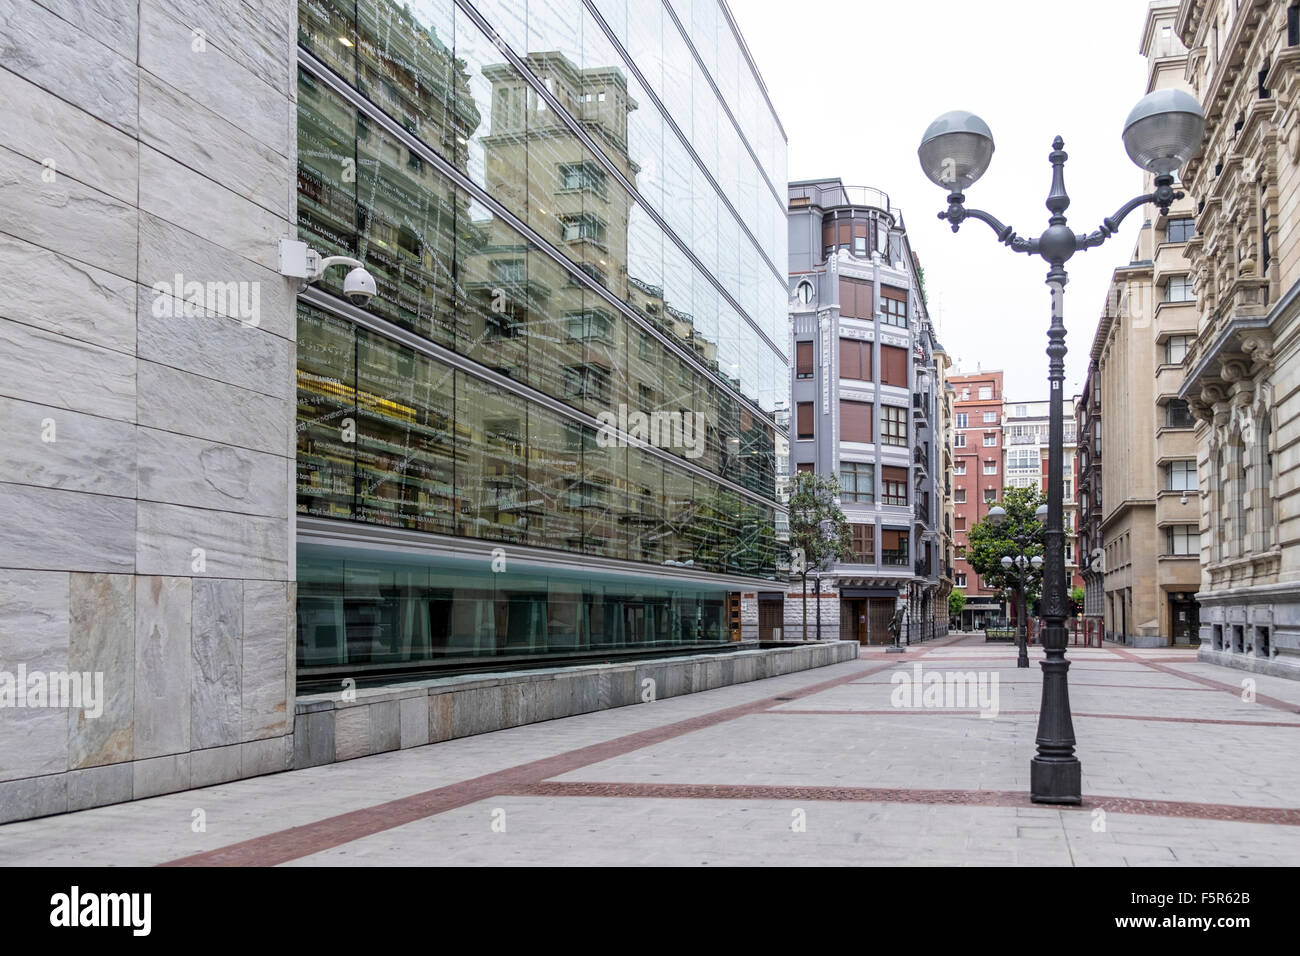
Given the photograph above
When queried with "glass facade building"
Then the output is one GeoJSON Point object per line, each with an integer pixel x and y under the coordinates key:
{"type": "Point", "coordinates": [552, 434]}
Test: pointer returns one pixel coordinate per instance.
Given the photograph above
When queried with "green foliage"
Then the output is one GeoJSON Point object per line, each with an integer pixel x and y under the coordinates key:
{"type": "Point", "coordinates": [986, 545]}
{"type": "Point", "coordinates": [1077, 596]}
{"type": "Point", "coordinates": [812, 502]}
{"type": "Point", "coordinates": [956, 602]}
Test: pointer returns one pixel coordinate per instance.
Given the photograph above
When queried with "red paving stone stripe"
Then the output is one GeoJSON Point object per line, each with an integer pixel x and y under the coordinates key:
{"type": "Point", "coordinates": [939, 711]}
{"type": "Point", "coordinates": [274, 848]}
{"type": "Point", "coordinates": [969, 798]}
{"type": "Point", "coordinates": [1235, 689]}
{"type": "Point", "coordinates": [1074, 683]}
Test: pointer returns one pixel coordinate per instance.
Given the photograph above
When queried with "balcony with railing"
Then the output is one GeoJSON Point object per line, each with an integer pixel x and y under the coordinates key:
{"type": "Point", "coordinates": [834, 193]}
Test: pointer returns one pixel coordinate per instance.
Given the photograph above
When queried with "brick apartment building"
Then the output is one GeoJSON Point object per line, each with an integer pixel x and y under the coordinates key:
{"type": "Point", "coordinates": [977, 482]}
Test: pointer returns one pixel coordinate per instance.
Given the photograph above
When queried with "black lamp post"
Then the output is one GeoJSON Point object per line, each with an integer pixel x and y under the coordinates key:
{"type": "Point", "coordinates": [1161, 133]}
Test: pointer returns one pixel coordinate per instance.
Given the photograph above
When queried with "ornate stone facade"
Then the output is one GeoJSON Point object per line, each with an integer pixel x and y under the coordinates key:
{"type": "Point", "coordinates": [1243, 371]}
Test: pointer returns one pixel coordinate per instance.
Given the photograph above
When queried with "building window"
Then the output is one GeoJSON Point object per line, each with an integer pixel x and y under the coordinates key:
{"type": "Point", "coordinates": [804, 421]}
{"type": "Point", "coordinates": [962, 420]}
{"type": "Point", "coordinates": [803, 360]}
{"type": "Point", "coordinates": [1067, 492]}
{"type": "Point", "coordinates": [855, 360]}
{"type": "Point", "coordinates": [864, 543]}
{"type": "Point", "coordinates": [509, 270]}
{"type": "Point", "coordinates": [1266, 480]}
{"type": "Point", "coordinates": [858, 482]}
{"type": "Point", "coordinates": [959, 523]}
{"type": "Point", "coordinates": [990, 495]}
{"type": "Point", "coordinates": [1184, 539]}
{"type": "Point", "coordinates": [587, 176]}
{"type": "Point", "coordinates": [959, 496]}
{"type": "Point", "coordinates": [961, 579]}
{"type": "Point", "coordinates": [804, 292]}
{"type": "Point", "coordinates": [583, 227]}
{"type": "Point", "coordinates": [893, 366]}
{"type": "Point", "coordinates": [990, 439]}
{"type": "Point", "coordinates": [986, 393]}
{"type": "Point", "coordinates": [893, 547]}
{"type": "Point", "coordinates": [591, 325]}
{"type": "Point", "coordinates": [587, 381]}
{"type": "Point", "coordinates": [893, 486]}
{"type": "Point", "coordinates": [1176, 349]}
{"type": "Point", "coordinates": [1180, 230]}
{"type": "Point", "coordinates": [1179, 289]}
{"type": "Point", "coordinates": [990, 417]}
{"type": "Point", "coordinates": [893, 306]}
{"type": "Point", "coordinates": [893, 425]}
{"type": "Point", "coordinates": [805, 468]}
{"type": "Point", "coordinates": [959, 441]}
{"type": "Point", "coordinates": [1022, 411]}
{"type": "Point", "coordinates": [990, 466]}
{"type": "Point", "coordinates": [1177, 414]}
{"type": "Point", "coordinates": [855, 299]}
{"type": "Point", "coordinates": [1293, 25]}
{"type": "Point", "coordinates": [855, 421]}
{"type": "Point", "coordinates": [959, 468]}
{"type": "Point", "coordinates": [1182, 476]}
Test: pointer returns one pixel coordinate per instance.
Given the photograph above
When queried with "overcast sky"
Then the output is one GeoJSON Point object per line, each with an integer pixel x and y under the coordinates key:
{"type": "Point", "coordinates": [856, 82]}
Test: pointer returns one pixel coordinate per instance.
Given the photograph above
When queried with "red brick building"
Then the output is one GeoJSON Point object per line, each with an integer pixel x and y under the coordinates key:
{"type": "Point", "coordinates": [977, 482]}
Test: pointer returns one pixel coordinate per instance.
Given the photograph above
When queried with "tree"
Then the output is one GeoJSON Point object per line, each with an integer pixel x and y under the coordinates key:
{"type": "Point", "coordinates": [956, 602]}
{"type": "Point", "coordinates": [986, 544]}
{"type": "Point", "coordinates": [818, 528]}
{"type": "Point", "coordinates": [1077, 596]}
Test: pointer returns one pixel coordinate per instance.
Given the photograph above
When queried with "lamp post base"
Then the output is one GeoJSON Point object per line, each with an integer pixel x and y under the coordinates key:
{"type": "Point", "coordinates": [1056, 781]}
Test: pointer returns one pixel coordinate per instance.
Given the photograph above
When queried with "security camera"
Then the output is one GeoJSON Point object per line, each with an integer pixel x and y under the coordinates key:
{"type": "Point", "coordinates": [359, 287]}
{"type": "Point", "coordinates": [308, 266]}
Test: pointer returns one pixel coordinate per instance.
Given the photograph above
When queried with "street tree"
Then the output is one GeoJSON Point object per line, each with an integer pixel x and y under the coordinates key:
{"type": "Point", "coordinates": [1021, 533]}
{"type": "Point", "coordinates": [956, 603]}
{"type": "Point", "coordinates": [819, 532]}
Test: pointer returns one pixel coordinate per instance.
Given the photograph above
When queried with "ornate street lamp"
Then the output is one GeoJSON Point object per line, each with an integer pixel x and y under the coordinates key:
{"type": "Point", "coordinates": [1022, 564]}
{"type": "Point", "coordinates": [1161, 133]}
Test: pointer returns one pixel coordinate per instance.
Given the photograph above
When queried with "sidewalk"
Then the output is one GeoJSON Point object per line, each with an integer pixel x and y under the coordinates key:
{"type": "Point", "coordinates": [810, 768]}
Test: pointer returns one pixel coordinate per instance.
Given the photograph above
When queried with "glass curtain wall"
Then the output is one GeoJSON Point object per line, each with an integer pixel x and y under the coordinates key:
{"type": "Point", "coordinates": [645, 183]}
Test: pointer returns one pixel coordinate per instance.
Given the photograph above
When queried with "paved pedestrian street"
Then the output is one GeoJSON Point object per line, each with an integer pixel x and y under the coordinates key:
{"type": "Point", "coordinates": [1182, 765]}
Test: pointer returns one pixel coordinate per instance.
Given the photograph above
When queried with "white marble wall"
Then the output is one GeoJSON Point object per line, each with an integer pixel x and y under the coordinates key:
{"type": "Point", "coordinates": [140, 139]}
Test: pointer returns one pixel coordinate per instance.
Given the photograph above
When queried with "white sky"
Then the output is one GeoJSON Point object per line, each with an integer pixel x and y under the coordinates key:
{"type": "Point", "coordinates": [856, 82]}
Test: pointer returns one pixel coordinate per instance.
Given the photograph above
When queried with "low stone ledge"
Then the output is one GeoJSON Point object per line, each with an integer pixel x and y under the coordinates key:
{"type": "Point", "coordinates": [329, 728]}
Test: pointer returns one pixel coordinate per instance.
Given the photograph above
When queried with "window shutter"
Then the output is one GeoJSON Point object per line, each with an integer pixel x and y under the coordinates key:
{"type": "Point", "coordinates": [804, 358]}
{"type": "Point", "coordinates": [894, 474]}
{"type": "Point", "coordinates": [855, 421]}
{"type": "Point", "coordinates": [893, 366]}
{"type": "Point", "coordinates": [804, 421]}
